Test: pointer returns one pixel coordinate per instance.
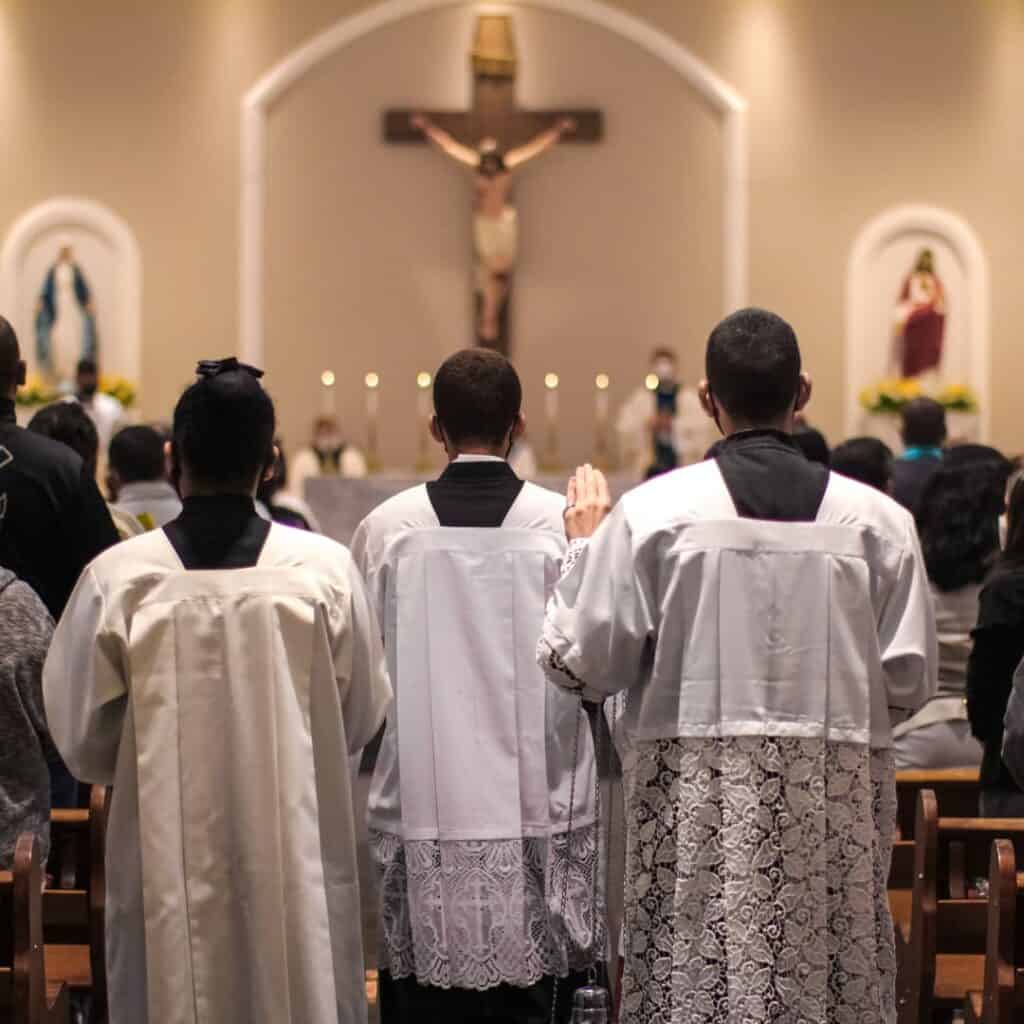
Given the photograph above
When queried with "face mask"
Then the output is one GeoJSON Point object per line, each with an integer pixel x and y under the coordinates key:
{"type": "Point", "coordinates": [327, 442]}
{"type": "Point", "coordinates": [87, 390]}
{"type": "Point", "coordinates": [664, 369]}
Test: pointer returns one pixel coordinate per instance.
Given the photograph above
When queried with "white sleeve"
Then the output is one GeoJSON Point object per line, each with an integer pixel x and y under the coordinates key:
{"type": "Point", "coordinates": [85, 684]}
{"type": "Point", "coordinates": [1013, 728]}
{"type": "Point", "coordinates": [353, 463]}
{"type": "Point", "coordinates": [907, 636]}
{"type": "Point", "coordinates": [360, 668]}
{"type": "Point", "coordinates": [599, 623]}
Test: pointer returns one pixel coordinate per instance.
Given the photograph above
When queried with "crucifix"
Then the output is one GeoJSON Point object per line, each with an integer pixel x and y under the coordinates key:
{"type": "Point", "coordinates": [494, 138]}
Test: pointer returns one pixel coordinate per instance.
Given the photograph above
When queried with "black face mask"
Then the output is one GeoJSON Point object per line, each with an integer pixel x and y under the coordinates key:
{"type": "Point", "coordinates": [491, 165]}
{"type": "Point", "coordinates": [88, 390]}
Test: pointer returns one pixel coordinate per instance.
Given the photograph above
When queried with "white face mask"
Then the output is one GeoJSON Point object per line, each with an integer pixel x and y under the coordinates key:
{"type": "Point", "coordinates": [664, 369]}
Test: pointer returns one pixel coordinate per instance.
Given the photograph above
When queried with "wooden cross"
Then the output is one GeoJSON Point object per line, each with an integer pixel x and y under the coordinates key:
{"type": "Point", "coordinates": [494, 113]}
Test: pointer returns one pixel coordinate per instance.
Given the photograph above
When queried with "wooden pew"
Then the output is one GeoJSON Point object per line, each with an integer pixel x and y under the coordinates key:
{"type": "Point", "coordinates": [74, 924]}
{"type": "Point", "coordinates": [945, 955]}
{"type": "Point", "coordinates": [25, 995]}
{"type": "Point", "coordinates": [1002, 999]}
{"type": "Point", "coordinates": [956, 790]}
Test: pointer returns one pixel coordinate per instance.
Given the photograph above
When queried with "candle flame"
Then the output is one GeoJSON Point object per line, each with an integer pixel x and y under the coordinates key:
{"type": "Point", "coordinates": [423, 380]}
{"type": "Point", "coordinates": [601, 382]}
{"type": "Point", "coordinates": [651, 382]}
{"type": "Point", "coordinates": [551, 381]}
{"type": "Point", "coordinates": [373, 381]}
{"type": "Point", "coordinates": [327, 378]}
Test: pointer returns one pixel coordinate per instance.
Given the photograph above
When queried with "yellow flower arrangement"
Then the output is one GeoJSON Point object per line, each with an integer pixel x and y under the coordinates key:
{"type": "Point", "coordinates": [120, 388]}
{"type": "Point", "coordinates": [36, 391]}
{"type": "Point", "coordinates": [892, 394]}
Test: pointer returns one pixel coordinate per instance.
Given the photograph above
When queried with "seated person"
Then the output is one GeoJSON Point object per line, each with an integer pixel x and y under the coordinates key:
{"type": "Point", "coordinates": [137, 477]}
{"type": "Point", "coordinates": [327, 455]}
{"type": "Point", "coordinates": [812, 443]}
{"type": "Point", "coordinates": [275, 503]}
{"type": "Point", "coordinates": [865, 459]}
{"type": "Point", "coordinates": [68, 423]}
{"type": "Point", "coordinates": [958, 525]}
{"type": "Point", "coordinates": [25, 746]}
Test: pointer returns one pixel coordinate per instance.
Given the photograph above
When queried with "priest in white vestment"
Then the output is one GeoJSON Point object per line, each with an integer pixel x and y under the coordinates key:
{"type": "Point", "coordinates": [482, 811]}
{"type": "Point", "coordinates": [765, 617]}
{"type": "Point", "coordinates": [218, 673]}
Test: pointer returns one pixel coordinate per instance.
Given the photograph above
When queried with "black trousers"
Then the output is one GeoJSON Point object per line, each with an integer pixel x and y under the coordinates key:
{"type": "Point", "coordinates": [406, 1001]}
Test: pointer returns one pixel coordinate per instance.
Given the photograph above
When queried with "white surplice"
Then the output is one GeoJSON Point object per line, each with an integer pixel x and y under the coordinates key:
{"type": "Point", "coordinates": [223, 706]}
{"type": "Point", "coordinates": [469, 809]}
{"type": "Point", "coordinates": [761, 661]}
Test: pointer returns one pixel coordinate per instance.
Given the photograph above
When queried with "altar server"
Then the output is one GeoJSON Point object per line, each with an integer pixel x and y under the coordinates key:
{"type": "Point", "coordinates": [218, 673]}
{"type": "Point", "coordinates": [764, 616]}
{"type": "Point", "coordinates": [483, 799]}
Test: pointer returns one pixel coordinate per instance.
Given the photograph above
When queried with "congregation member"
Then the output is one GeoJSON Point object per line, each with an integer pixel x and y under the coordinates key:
{"type": "Point", "coordinates": [218, 673]}
{"type": "Point", "coordinates": [25, 746]}
{"type": "Point", "coordinates": [327, 454]}
{"type": "Point", "coordinates": [923, 430]}
{"type": "Point", "coordinates": [54, 520]}
{"type": "Point", "coordinates": [764, 617]}
{"type": "Point", "coordinates": [68, 423]}
{"type": "Point", "coordinates": [997, 651]}
{"type": "Point", "coordinates": [958, 526]}
{"type": "Point", "coordinates": [482, 808]}
{"type": "Point", "coordinates": [812, 443]}
{"type": "Point", "coordinates": [866, 459]}
{"type": "Point", "coordinates": [137, 477]}
{"type": "Point", "coordinates": [273, 500]}
{"type": "Point", "coordinates": [105, 411]}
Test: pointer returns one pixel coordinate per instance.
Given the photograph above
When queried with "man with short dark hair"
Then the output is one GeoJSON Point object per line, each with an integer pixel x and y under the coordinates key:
{"type": "Point", "coordinates": [866, 459]}
{"type": "Point", "coordinates": [483, 795]}
{"type": "Point", "coordinates": [53, 520]}
{"type": "Point", "coordinates": [219, 673]}
{"type": "Point", "coordinates": [762, 615]}
{"type": "Point", "coordinates": [924, 434]}
{"type": "Point", "coordinates": [104, 410]}
{"type": "Point", "coordinates": [137, 477]}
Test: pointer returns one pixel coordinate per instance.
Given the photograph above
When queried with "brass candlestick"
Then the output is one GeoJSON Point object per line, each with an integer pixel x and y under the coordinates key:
{"type": "Point", "coordinates": [423, 383]}
{"type": "Point", "coordinates": [372, 381]}
{"type": "Point", "coordinates": [551, 461]}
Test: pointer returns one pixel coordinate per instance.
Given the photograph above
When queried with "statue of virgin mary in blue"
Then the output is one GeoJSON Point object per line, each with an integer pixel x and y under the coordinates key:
{"type": "Point", "coordinates": [65, 319]}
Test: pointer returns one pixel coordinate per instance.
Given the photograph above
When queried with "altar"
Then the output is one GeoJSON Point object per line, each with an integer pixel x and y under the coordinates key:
{"type": "Point", "coordinates": [341, 504]}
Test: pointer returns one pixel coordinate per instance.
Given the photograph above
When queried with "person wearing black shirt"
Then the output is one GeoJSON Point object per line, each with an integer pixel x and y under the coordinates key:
{"type": "Point", "coordinates": [53, 520]}
{"type": "Point", "coordinates": [998, 650]}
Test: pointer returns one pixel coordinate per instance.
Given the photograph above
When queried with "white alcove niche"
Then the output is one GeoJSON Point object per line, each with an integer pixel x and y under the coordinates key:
{"type": "Point", "coordinates": [882, 255]}
{"type": "Point", "coordinates": [106, 249]}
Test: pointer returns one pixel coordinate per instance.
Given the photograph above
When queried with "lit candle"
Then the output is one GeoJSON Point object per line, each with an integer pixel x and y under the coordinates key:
{"type": "Point", "coordinates": [372, 381]}
{"type": "Point", "coordinates": [651, 382]}
{"type": "Point", "coordinates": [423, 382]}
{"type": "Point", "coordinates": [601, 382]}
{"type": "Point", "coordinates": [551, 398]}
{"type": "Point", "coordinates": [327, 393]}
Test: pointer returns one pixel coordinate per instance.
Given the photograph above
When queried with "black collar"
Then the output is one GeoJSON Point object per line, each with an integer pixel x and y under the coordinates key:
{"type": "Point", "coordinates": [458, 472]}
{"type": "Point", "coordinates": [218, 531]}
{"type": "Point", "coordinates": [7, 412]}
{"type": "Point", "coordinates": [761, 436]}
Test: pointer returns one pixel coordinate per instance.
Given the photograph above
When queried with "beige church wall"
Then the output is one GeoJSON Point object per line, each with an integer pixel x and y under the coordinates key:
{"type": "Point", "coordinates": [369, 245]}
{"type": "Point", "coordinates": [854, 108]}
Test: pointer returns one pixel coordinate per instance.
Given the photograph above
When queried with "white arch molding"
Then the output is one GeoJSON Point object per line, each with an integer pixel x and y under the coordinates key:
{"type": "Point", "coordinates": [719, 94]}
{"type": "Point", "coordinates": [67, 212]}
{"type": "Point", "coordinates": [889, 226]}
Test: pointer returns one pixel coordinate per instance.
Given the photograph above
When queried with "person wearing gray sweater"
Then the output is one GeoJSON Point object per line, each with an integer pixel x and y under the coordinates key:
{"type": "Point", "coordinates": [25, 745]}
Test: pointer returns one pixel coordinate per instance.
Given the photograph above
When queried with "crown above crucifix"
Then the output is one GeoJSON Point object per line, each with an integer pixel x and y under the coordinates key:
{"type": "Point", "coordinates": [494, 47]}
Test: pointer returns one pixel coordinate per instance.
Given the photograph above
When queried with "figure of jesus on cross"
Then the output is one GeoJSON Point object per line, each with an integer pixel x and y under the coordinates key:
{"type": "Point", "coordinates": [494, 139]}
{"type": "Point", "coordinates": [495, 220]}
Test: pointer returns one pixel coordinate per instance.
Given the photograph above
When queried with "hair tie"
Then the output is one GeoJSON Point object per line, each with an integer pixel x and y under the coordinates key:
{"type": "Point", "coordinates": [207, 369]}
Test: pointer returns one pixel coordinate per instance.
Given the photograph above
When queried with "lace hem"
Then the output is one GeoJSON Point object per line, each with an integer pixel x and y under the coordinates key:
{"type": "Point", "coordinates": [756, 883]}
{"type": "Point", "coordinates": [476, 914]}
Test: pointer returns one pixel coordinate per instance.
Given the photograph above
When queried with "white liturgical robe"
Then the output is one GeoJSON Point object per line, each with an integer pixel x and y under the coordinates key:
{"type": "Point", "coordinates": [762, 652]}
{"type": "Point", "coordinates": [474, 792]}
{"type": "Point", "coordinates": [223, 705]}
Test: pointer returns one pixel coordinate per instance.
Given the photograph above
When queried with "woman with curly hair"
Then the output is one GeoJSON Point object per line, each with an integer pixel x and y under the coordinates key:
{"type": "Point", "coordinates": [998, 650]}
{"type": "Point", "coordinates": [958, 524]}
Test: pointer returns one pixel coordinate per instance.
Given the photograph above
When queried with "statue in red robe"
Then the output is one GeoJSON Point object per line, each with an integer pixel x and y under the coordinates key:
{"type": "Point", "coordinates": [920, 319]}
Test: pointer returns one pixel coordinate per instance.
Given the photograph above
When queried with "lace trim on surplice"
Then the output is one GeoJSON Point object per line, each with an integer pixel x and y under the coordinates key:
{"type": "Point", "coordinates": [756, 883]}
{"type": "Point", "coordinates": [476, 914]}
